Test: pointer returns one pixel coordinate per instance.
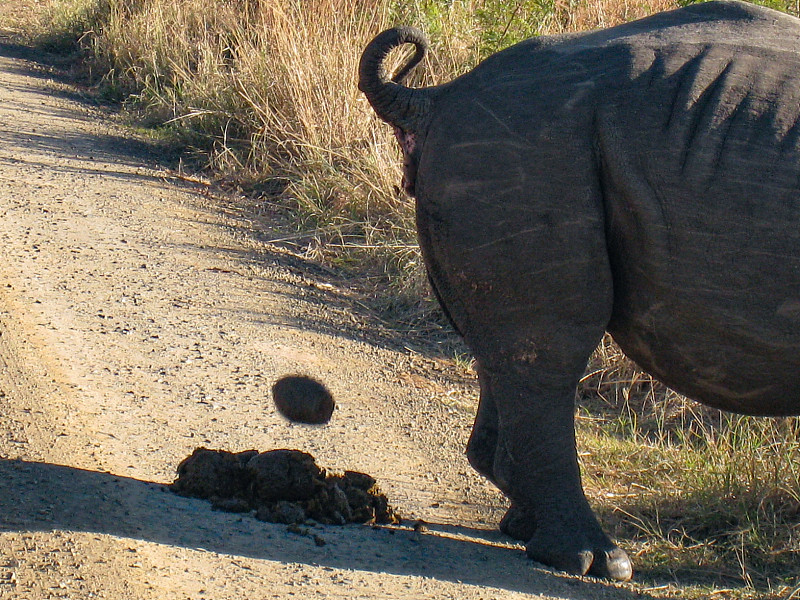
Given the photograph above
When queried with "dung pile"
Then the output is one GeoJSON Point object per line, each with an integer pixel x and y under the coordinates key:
{"type": "Point", "coordinates": [281, 486]}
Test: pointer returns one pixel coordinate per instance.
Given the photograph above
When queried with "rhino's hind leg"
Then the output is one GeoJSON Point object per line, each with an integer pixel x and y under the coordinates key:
{"type": "Point", "coordinates": [524, 442]}
{"type": "Point", "coordinates": [518, 521]}
{"type": "Point", "coordinates": [482, 443]}
{"type": "Point", "coordinates": [536, 466]}
{"type": "Point", "coordinates": [523, 272]}
{"type": "Point", "coordinates": [531, 340]}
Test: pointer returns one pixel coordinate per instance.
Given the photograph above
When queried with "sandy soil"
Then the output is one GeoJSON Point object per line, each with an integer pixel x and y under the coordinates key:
{"type": "Point", "coordinates": [142, 317]}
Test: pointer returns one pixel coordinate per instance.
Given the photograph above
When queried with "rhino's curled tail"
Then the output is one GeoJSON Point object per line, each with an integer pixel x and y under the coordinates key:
{"type": "Point", "coordinates": [407, 109]}
{"type": "Point", "coordinates": [396, 104]}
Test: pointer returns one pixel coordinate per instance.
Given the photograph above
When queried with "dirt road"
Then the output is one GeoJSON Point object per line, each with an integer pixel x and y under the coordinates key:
{"type": "Point", "coordinates": [141, 318]}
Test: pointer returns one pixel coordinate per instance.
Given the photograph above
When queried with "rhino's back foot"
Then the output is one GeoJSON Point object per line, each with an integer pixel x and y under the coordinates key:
{"type": "Point", "coordinates": [580, 551]}
{"type": "Point", "coordinates": [595, 554]}
{"type": "Point", "coordinates": [576, 545]}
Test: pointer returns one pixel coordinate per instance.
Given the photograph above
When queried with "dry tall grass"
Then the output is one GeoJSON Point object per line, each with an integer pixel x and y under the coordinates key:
{"type": "Point", "coordinates": [265, 91]}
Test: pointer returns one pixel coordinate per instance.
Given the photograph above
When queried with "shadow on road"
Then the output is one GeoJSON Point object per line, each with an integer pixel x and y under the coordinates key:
{"type": "Point", "coordinates": [61, 81]}
{"type": "Point", "coordinates": [45, 497]}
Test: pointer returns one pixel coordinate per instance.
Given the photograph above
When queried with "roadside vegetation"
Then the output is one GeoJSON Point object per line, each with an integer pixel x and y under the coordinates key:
{"type": "Point", "coordinates": [262, 95]}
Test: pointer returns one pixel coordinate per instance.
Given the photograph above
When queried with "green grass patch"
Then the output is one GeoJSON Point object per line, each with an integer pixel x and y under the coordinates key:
{"type": "Point", "coordinates": [703, 500]}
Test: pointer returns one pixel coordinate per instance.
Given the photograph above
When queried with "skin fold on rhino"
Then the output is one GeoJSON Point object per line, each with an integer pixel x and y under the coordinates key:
{"type": "Point", "coordinates": [642, 180]}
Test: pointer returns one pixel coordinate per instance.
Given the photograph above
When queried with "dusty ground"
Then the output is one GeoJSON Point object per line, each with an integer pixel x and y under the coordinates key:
{"type": "Point", "coordinates": [140, 318]}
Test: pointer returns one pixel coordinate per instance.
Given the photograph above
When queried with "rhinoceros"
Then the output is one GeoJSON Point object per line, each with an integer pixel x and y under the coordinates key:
{"type": "Point", "coordinates": [642, 180]}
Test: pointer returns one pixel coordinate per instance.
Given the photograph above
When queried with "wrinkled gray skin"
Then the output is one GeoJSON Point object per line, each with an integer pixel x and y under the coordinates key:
{"type": "Point", "coordinates": [642, 180]}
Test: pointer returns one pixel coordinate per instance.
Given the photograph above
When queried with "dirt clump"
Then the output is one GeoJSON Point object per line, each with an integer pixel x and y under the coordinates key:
{"type": "Point", "coordinates": [281, 486]}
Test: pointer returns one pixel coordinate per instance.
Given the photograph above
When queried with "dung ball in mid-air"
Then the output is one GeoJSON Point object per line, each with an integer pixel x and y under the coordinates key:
{"type": "Point", "coordinates": [302, 399]}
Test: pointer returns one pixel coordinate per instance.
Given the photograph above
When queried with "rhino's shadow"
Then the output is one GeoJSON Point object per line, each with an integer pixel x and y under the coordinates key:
{"type": "Point", "coordinates": [45, 497]}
